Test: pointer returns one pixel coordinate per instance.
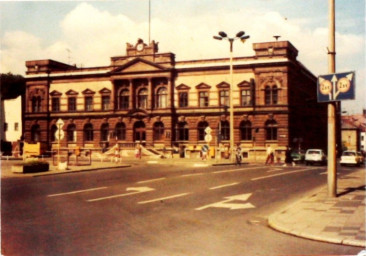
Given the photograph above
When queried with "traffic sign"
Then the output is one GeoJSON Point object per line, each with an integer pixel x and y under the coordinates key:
{"type": "Point", "coordinates": [59, 134]}
{"type": "Point", "coordinates": [205, 148]}
{"type": "Point", "coordinates": [336, 87]}
{"type": "Point", "coordinates": [208, 137]}
{"type": "Point", "coordinates": [60, 123]}
{"type": "Point", "coordinates": [208, 130]}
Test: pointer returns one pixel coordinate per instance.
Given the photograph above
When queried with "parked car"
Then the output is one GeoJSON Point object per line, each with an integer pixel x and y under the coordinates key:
{"type": "Point", "coordinates": [352, 157]}
{"type": "Point", "coordinates": [298, 156]}
{"type": "Point", "coordinates": [315, 156]}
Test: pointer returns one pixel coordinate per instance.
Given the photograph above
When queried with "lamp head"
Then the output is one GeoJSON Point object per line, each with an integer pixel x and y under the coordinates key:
{"type": "Point", "coordinates": [244, 37]}
{"type": "Point", "coordinates": [217, 37]}
{"type": "Point", "coordinates": [222, 34]}
{"type": "Point", "coordinates": [240, 34]}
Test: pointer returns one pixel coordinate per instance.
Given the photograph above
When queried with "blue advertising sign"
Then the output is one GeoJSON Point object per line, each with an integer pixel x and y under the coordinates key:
{"type": "Point", "coordinates": [336, 87]}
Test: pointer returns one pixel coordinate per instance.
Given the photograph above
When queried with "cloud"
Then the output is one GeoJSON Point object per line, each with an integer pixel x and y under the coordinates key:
{"type": "Point", "coordinates": [92, 36]}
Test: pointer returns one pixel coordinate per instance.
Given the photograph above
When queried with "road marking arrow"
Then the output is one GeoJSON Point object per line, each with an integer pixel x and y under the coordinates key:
{"type": "Point", "coordinates": [137, 190]}
{"type": "Point", "coordinates": [232, 206]}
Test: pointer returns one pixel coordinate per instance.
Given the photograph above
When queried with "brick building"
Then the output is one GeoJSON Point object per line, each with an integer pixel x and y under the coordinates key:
{"type": "Point", "coordinates": [150, 98]}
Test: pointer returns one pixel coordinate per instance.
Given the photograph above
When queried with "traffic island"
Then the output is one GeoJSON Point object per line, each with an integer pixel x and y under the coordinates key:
{"type": "Point", "coordinates": [31, 166]}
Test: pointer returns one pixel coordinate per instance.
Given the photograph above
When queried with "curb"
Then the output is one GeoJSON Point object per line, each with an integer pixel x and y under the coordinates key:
{"type": "Point", "coordinates": [84, 170]}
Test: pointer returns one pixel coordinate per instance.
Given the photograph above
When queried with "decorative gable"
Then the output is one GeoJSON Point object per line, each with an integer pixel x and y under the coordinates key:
{"type": "Point", "coordinates": [88, 91]}
{"type": "Point", "coordinates": [55, 93]}
{"type": "Point", "coordinates": [71, 93]}
{"type": "Point", "coordinates": [105, 91]}
{"type": "Point", "coordinates": [244, 84]}
{"type": "Point", "coordinates": [138, 65]}
{"type": "Point", "coordinates": [223, 85]}
{"type": "Point", "coordinates": [202, 86]}
{"type": "Point", "coordinates": [183, 87]}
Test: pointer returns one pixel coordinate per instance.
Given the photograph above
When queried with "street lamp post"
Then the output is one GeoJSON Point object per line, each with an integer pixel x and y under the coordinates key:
{"type": "Point", "coordinates": [240, 35]}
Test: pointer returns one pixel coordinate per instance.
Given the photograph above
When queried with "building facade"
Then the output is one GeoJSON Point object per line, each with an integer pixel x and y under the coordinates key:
{"type": "Point", "coordinates": [150, 98]}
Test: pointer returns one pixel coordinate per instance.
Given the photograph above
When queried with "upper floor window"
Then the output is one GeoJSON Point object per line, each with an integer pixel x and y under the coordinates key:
{"type": "Point", "coordinates": [55, 103]}
{"type": "Point", "coordinates": [271, 130]}
{"type": "Point", "coordinates": [105, 102]}
{"type": "Point", "coordinates": [183, 99]}
{"type": "Point", "coordinates": [71, 104]}
{"type": "Point", "coordinates": [158, 131]}
{"type": "Point", "coordinates": [16, 126]}
{"type": "Point", "coordinates": [203, 99]}
{"type": "Point", "coordinates": [271, 95]}
{"type": "Point", "coordinates": [224, 98]}
{"type": "Point", "coordinates": [182, 131]}
{"type": "Point", "coordinates": [120, 131]}
{"type": "Point", "coordinates": [124, 97]}
{"type": "Point", "coordinates": [245, 130]}
{"type": "Point", "coordinates": [246, 97]}
{"type": "Point", "coordinates": [142, 99]}
{"type": "Point", "coordinates": [201, 129]}
{"type": "Point", "coordinates": [36, 104]}
{"type": "Point", "coordinates": [162, 98]}
{"type": "Point", "coordinates": [89, 103]}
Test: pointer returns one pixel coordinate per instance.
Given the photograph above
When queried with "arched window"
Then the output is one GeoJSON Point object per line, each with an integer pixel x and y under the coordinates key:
{"type": "Point", "coordinates": [71, 133]}
{"type": "Point", "coordinates": [142, 99]}
{"type": "Point", "coordinates": [158, 131]}
{"type": "Point", "coordinates": [201, 129]}
{"type": "Point", "coordinates": [124, 97]}
{"type": "Point", "coordinates": [271, 130]}
{"type": "Point", "coordinates": [271, 95]}
{"type": "Point", "coordinates": [104, 132]}
{"type": "Point", "coordinates": [182, 131]}
{"type": "Point", "coordinates": [120, 131]}
{"type": "Point", "coordinates": [245, 130]}
{"type": "Point", "coordinates": [225, 130]}
{"type": "Point", "coordinates": [162, 98]}
{"type": "Point", "coordinates": [36, 104]}
{"type": "Point", "coordinates": [88, 132]}
{"type": "Point", "coordinates": [36, 133]}
{"type": "Point", "coordinates": [53, 133]}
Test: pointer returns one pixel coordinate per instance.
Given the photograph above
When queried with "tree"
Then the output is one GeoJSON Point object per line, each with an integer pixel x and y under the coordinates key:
{"type": "Point", "coordinates": [12, 86]}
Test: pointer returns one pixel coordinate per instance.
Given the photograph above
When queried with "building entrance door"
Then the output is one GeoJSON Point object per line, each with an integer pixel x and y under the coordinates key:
{"type": "Point", "coordinates": [139, 132]}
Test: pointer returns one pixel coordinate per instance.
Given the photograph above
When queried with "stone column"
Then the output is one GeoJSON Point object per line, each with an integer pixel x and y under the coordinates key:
{"type": "Point", "coordinates": [150, 94]}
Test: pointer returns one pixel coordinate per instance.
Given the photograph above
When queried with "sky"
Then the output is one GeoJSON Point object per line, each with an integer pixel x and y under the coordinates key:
{"type": "Point", "coordinates": [88, 33]}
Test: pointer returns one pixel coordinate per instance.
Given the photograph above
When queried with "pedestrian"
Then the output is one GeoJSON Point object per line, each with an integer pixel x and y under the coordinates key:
{"type": "Point", "coordinates": [288, 157]}
{"type": "Point", "coordinates": [270, 155]}
{"type": "Point", "coordinates": [238, 155]}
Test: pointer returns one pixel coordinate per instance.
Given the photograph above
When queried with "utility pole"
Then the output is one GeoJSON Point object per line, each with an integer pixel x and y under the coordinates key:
{"type": "Point", "coordinates": [332, 161]}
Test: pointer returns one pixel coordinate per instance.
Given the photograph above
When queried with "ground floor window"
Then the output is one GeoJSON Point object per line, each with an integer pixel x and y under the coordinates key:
{"type": "Point", "coordinates": [182, 131]}
{"type": "Point", "coordinates": [88, 132]}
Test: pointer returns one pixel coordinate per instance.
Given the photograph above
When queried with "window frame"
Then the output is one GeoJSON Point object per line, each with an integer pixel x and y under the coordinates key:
{"type": "Point", "coordinates": [203, 98]}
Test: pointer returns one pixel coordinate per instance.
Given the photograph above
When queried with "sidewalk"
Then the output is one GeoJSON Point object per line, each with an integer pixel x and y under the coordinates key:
{"type": "Point", "coordinates": [338, 220]}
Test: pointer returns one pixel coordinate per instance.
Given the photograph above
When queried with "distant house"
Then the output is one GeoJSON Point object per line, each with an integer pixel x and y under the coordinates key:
{"type": "Point", "coordinates": [354, 132]}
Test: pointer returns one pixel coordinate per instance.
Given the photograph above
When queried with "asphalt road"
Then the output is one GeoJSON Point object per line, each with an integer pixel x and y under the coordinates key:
{"type": "Point", "coordinates": [159, 210]}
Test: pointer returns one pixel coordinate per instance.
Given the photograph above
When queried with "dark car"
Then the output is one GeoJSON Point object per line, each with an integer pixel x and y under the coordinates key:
{"type": "Point", "coordinates": [298, 156]}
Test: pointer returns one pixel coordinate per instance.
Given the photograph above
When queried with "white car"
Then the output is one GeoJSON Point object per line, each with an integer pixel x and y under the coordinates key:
{"type": "Point", "coordinates": [352, 157]}
{"type": "Point", "coordinates": [315, 156]}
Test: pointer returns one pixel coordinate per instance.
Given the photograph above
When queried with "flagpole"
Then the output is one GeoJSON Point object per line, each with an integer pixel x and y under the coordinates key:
{"type": "Point", "coordinates": [149, 19]}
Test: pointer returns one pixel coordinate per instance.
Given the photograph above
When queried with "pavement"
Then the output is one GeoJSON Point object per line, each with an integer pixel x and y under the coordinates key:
{"type": "Point", "coordinates": [339, 220]}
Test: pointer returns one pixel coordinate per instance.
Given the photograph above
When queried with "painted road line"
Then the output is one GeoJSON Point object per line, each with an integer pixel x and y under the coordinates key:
{"type": "Point", "coordinates": [152, 180]}
{"type": "Point", "coordinates": [226, 185]}
{"type": "Point", "coordinates": [275, 170]}
{"type": "Point", "coordinates": [231, 203]}
{"type": "Point", "coordinates": [192, 174]}
{"type": "Point", "coordinates": [163, 198]}
{"type": "Point", "coordinates": [137, 191]}
{"type": "Point", "coordinates": [152, 162]}
{"type": "Point", "coordinates": [200, 165]}
{"type": "Point", "coordinates": [76, 192]}
{"type": "Point", "coordinates": [238, 170]}
{"type": "Point", "coordinates": [280, 174]}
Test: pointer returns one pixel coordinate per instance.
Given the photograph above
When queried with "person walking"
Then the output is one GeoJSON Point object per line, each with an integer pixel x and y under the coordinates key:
{"type": "Point", "coordinates": [270, 155]}
{"type": "Point", "coordinates": [288, 157]}
{"type": "Point", "coordinates": [238, 155]}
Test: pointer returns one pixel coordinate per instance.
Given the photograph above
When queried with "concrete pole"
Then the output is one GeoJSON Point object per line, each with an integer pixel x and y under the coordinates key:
{"type": "Point", "coordinates": [232, 156]}
{"type": "Point", "coordinates": [332, 161]}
